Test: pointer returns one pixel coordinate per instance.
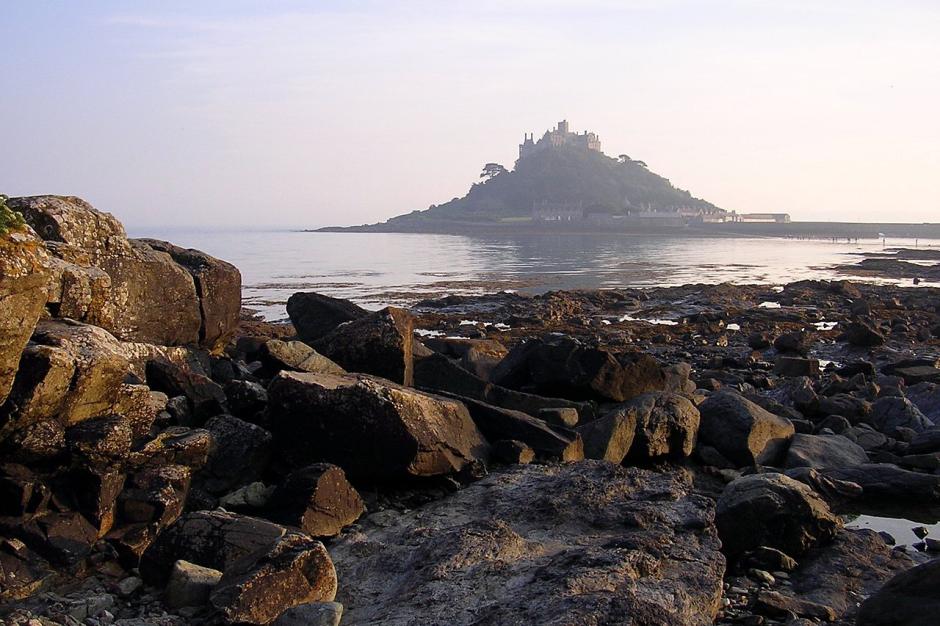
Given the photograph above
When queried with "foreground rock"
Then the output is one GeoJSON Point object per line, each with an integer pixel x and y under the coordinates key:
{"type": "Point", "coordinates": [911, 598]}
{"type": "Point", "coordinates": [372, 428]}
{"type": "Point", "coordinates": [314, 314]}
{"type": "Point", "coordinates": [581, 543]}
{"type": "Point", "coordinates": [775, 511]}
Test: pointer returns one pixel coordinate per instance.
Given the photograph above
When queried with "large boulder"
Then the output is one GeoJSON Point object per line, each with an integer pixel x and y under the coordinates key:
{"type": "Point", "coordinates": [610, 437]}
{"type": "Point", "coordinates": [135, 291]}
{"type": "Point", "coordinates": [240, 454]}
{"type": "Point", "coordinates": [575, 543]}
{"type": "Point", "coordinates": [218, 285]}
{"type": "Point", "coordinates": [742, 431]}
{"type": "Point", "coordinates": [666, 425]}
{"type": "Point", "coordinates": [775, 511]}
{"type": "Point", "coordinates": [70, 372]}
{"type": "Point", "coordinates": [822, 451]}
{"type": "Point", "coordinates": [314, 314]}
{"type": "Point", "coordinates": [371, 428]}
{"type": "Point", "coordinates": [892, 412]}
{"type": "Point", "coordinates": [381, 344]}
{"type": "Point", "coordinates": [911, 598]}
{"type": "Point", "coordinates": [23, 277]}
{"type": "Point", "coordinates": [479, 356]}
{"type": "Point", "coordinates": [296, 356]}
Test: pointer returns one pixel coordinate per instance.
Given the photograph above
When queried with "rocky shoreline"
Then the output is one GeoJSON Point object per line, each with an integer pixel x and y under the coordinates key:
{"type": "Point", "coordinates": [684, 455]}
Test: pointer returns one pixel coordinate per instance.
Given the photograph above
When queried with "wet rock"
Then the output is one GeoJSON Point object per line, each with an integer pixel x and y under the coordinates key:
{"type": "Point", "coordinates": [381, 343]}
{"type": "Point", "coordinates": [63, 538]}
{"type": "Point", "coordinates": [100, 443]}
{"type": "Point", "coordinates": [917, 374]}
{"type": "Point", "coordinates": [848, 406]}
{"type": "Point", "coordinates": [257, 589]}
{"type": "Point", "coordinates": [666, 425]}
{"type": "Point", "coordinates": [317, 499]}
{"type": "Point", "coordinates": [245, 398]}
{"type": "Point", "coordinates": [94, 494]}
{"type": "Point", "coordinates": [24, 273]}
{"type": "Point", "coordinates": [926, 396]}
{"type": "Point", "coordinates": [22, 571]}
{"type": "Point", "coordinates": [155, 496]}
{"type": "Point", "coordinates": [775, 511]}
{"type": "Point", "coordinates": [36, 442]}
{"type": "Point", "coordinates": [892, 412]}
{"type": "Point", "coordinates": [315, 315]}
{"type": "Point", "coordinates": [240, 454]}
{"type": "Point", "coordinates": [796, 342]}
{"type": "Point", "coordinates": [780, 605]}
{"type": "Point", "coordinates": [190, 585]}
{"type": "Point", "coordinates": [587, 539]}
{"type": "Point", "coordinates": [821, 451]}
{"type": "Point", "coordinates": [911, 598]}
{"type": "Point", "coordinates": [888, 486]}
{"type": "Point", "coordinates": [371, 428]}
{"type": "Point", "coordinates": [218, 287]}
{"type": "Point", "coordinates": [177, 445]}
{"type": "Point", "coordinates": [22, 492]}
{"type": "Point", "coordinates": [742, 431]}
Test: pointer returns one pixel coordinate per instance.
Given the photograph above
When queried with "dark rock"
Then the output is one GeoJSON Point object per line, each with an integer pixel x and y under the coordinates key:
{"type": "Point", "coordinates": [892, 412]}
{"type": "Point", "coordinates": [776, 604]}
{"type": "Point", "coordinates": [822, 451]}
{"type": "Point", "coordinates": [835, 423]}
{"type": "Point", "coordinates": [796, 342]}
{"type": "Point", "coordinates": [926, 396]}
{"type": "Point", "coordinates": [438, 373]}
{"type": "Point", "coordinates": [560, 416]}
{"type": "Point", "coordinates": [796, 366]}
{"type": "Point", "coordinates": [22, 571]}
{"type": "Point", "coordinates": [371, 428]}
{"type": "Point", "coordinates": [64, 538]}
{"type": "Point", "coordinates": [889, 487]}
{"type": "Point", "coordinates": [918, 374]}
{"type": "Point", "coordinates": [759, 340]}
{"type": "Point", "coordinates": [155, 496]}
{"type": "Point", "coordinates": [666, 425]}
{"type": "Point", "coordinates": [609, 438]}
{"type": "Point", "coordinates": [317, 499]}
{"type": "Point", "coordinates": [478, 356]}
{"type": "Point", "coordinates": [552, 442]}
{"type": "Point", "coordinates": [36, 442]}
{"type": "Point", "coordinates": [742, 431]}
{"type": "Point", "coordinates": [311, 614]}
{"type": "Point", "coordinates": [94, 495]}
{"type": "Point", "coordinates": [240, 454]}
{"type": "Point", "coordinates": [258, 588]}
{"type": "Point", "coordinates": [852, 408]}
{"type": "Point", "coordinates": [775, 511]}
{"type": "Point", "coordinates": [206, 397]}
{"type": "Point", "coordinates": [862, 333]}
{"type": "Point", "coordinates": [245, 398]}
{"type": "Point", "coordinates": [925, 441]}
{"type": "Point", "coordinates": [658, 559]}
{"type": "Point", "coordinates": [190, 585]}
{"type": "Point", "coordinates": [175, 446]}
{"type": "Point", "coordinates": [512, 452]}
{"type": "Point", "coordinates": [22, 493]}
{"type": "Point", "coordinates": [215, 539]}
{"type": "Point", "coordinates": [911, 598]}
{"type": "Point", "coordinates": [100, 443]}
{"type": "Point", "coordinates": [381, 343]}
{"type": "Point", "coordinates": [314, 315]}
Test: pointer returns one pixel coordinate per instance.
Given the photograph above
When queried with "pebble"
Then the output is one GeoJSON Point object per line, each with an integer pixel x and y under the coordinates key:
{"type": "Point", "coordinates": [920, 531]}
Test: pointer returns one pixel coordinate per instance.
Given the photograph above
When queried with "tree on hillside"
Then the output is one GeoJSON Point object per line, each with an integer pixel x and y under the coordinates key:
{"type": "Point", "coordinates": [623, 158]}
{"type": "Point", "coordinates": [492, 170]}
{"type": "Point", "coordinates": [9, 219]}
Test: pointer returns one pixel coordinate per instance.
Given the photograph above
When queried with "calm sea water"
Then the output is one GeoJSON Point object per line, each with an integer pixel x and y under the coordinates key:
{"type": "Point", "coordinates": [377, 269]}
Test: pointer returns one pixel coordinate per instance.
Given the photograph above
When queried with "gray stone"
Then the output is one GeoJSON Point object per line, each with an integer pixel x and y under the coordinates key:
{"type": "Point", "coordinates": [190, 584]}
{"type": "Point", "coordinates": [822, 451]}
{"type": "Point", "coordinates": [742, 431]}
{"type": "Point", "coordinates": [311, 614]}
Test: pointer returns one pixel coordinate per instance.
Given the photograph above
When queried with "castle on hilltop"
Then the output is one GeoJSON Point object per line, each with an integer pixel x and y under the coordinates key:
{"type": "Point", "coordinates": [561, 136]}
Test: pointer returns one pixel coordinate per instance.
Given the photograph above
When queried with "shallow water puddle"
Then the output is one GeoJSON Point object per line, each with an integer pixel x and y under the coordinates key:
{"type": "Point", "coordinates": [899, 528]}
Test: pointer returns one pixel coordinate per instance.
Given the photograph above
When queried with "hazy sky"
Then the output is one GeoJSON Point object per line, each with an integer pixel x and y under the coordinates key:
{"type": "Point", "coordinates": [278, 113]}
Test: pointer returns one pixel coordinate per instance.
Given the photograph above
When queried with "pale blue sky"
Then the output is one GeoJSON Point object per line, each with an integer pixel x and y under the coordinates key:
{"type": "Point", "coordinates": [233, 113]}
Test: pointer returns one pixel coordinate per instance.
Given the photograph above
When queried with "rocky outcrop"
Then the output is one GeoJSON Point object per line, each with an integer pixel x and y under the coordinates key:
{"type": "Point", "coordinates": [218, 287]}
{"type": "Point", "coordinates": [135, 291]}
{"type": "Point", "coordinates": [372, 428]}
{"type": "Point", "coordinates": [24, 269]}
{"type": "Point", "coordinates": [589, 541]}
{"type": "Point", "coordinates": [742, 431]}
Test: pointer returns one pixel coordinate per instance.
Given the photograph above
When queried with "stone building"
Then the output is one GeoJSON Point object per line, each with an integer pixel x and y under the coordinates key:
{"type": "Point", "coordinates": [560, 136]}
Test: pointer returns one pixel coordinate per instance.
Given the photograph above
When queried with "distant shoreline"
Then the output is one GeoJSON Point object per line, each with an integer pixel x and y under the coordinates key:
{"type": "Point", "coordinates": [791, 230]}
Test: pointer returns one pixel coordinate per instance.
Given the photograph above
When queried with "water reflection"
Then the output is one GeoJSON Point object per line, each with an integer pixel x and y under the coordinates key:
{"type": "Point", "coordinates": [376, 269]}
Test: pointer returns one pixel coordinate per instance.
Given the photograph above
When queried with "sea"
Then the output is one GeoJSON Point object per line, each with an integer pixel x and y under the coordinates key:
{"type": "Point", "coordinates": [380, 269]}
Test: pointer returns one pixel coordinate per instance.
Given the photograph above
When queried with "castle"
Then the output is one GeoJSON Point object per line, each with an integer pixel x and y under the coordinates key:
{"type": "Point", "coordinates": [561, 136]}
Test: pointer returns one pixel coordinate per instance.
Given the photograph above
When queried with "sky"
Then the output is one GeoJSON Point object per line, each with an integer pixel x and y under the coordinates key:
{"type": "Point", "coordinates": [234, 114]}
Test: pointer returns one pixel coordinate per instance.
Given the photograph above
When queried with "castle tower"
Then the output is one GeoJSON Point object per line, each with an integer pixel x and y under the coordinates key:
{"type": "Point", "coordinates": [563, 126]}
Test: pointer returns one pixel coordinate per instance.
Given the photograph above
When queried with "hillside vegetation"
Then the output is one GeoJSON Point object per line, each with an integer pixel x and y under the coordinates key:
{"type": "Point", "coordinates": [563, 174]}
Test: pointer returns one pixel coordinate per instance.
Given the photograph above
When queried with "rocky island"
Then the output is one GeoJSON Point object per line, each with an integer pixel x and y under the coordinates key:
{"type": "Point", "coordinates": [671, 456]}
